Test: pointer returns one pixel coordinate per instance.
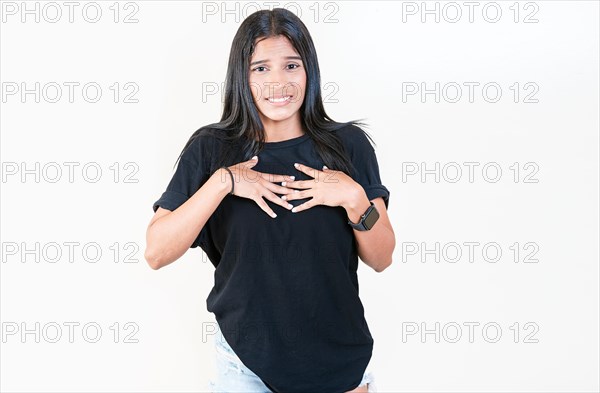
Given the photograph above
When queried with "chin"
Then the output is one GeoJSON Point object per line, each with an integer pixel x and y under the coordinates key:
{"type": "Point", "coordinates": [278, 116]}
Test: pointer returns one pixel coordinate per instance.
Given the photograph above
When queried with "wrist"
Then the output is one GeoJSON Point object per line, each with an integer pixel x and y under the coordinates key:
{"type": "Point", "coordinates": [357, 205]}
{"type": "Point", "coordinates": [223, 179]}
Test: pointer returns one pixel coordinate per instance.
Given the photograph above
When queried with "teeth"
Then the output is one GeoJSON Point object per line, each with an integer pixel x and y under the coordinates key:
{"type": "Point", "coordinates": [279, 99]}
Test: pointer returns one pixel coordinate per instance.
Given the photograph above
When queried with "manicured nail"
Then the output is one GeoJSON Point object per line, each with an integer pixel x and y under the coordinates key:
{"type": "Point", "coordinates": [290, 206]}
{"type": "Point", "coordinates": [296, 191]}
{"type": "Point", "coordinates": [283, 197]}
{"type": "Point", "coordinates": [274, 215]}
{"type": "Point", "coordinates": [294, 210]}
{"type": "Point", "coordinates": [293, 178]}
{"type": "Point", "coordinates": [296, 165]}
{"type": "Point", "coordinates": [283, 183]}
{"type": "Point", "coordinates": [324, 167]}
{"type": "Point", "coordinates": [255, 158]}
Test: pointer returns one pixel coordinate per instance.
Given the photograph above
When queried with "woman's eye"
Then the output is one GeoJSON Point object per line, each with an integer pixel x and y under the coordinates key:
{"type": "Point", "coordinates": [291, 66]}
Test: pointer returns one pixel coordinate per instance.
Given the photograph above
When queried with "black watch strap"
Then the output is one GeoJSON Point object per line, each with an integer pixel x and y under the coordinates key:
{"type": "Point", "coordinates": [367, 220]}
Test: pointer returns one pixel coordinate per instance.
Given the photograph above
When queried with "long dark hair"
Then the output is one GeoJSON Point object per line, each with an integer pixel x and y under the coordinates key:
{"type": "Point", "coordinates": [241, 128]}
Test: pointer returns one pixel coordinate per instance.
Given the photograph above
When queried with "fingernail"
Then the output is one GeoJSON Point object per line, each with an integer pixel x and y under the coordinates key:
{"type": "Point", "coordinates": [324, 167]}
{"type": "Point", "coordinates": [293, 177]}
{"type": "Point", "coordinates": [290, 206]}
{"type": "Point", "coordinates": [296, 191]}
{"type": "Point", "coordinates": [296, 165]}
{"type": "Point", "coordinates": [294, 210]}
{"type": "Point", "coordinates": [283, 197]}
{"type": "Point", "coordinates": [274, 215]}
{"type": "Point", "coordinates": [283, 183]}
{"type": "Point", "coordinates": [255, 158]}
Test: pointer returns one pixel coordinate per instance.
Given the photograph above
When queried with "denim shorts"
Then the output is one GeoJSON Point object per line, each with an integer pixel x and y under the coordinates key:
{"type": "Point", "coordinates": [234, 376]}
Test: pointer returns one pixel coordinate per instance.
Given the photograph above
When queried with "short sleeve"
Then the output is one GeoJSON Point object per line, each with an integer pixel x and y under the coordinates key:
{"type": "Point", "coordinates": [366, 166]}
{"type": "Point", "coordinates": [193, 170]}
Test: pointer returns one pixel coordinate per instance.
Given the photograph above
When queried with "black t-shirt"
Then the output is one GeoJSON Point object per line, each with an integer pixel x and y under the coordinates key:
{"type": "Point", "coordinates": [285, 291]}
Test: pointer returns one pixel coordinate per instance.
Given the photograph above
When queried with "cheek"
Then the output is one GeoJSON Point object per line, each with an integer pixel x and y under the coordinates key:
{"type": "Point", "coordinates": [298, 87]}
{"type": "Point", "coordinates": [255, 89]}
{"type": "Point", "coordinates": [302, 85]}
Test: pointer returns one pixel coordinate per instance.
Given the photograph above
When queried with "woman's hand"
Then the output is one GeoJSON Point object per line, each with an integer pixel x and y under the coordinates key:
{"type": "Point", "coordinates": [256, 185]}
{"type": "Point", "coordinates": [328, 187]}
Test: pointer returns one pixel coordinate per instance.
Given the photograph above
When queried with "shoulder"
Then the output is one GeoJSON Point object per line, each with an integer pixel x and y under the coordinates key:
{"type": "Point", "coordinates": [355, 139]}
{"type": "Point", "coordinates": [202, 138]}
{"type": "Point", "coordinates": [200, 146]}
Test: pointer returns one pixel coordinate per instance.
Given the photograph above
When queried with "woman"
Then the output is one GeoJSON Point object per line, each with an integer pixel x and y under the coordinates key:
{"type": "Point", "coordinates": [284, 238]}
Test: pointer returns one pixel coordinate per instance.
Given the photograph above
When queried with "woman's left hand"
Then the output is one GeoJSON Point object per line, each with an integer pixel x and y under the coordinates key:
{"type": "Point", "coordinates": [328, 187]}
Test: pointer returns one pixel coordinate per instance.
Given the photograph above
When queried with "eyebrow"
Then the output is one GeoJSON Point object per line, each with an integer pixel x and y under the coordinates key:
{"type": "Point", "coordinates": [267, 60]}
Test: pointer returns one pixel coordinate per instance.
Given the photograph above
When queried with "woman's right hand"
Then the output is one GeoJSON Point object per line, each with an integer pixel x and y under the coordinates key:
{"type": "Point", "coordinates": [256, 185]}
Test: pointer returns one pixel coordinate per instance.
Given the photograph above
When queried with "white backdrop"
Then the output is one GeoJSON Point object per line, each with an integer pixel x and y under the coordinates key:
{"type": "Point", "coordinates": [485, 116]}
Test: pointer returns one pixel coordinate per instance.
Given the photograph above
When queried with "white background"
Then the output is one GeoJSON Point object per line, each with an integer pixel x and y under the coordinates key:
{"type": "Point", "coordinates": [368, 54]}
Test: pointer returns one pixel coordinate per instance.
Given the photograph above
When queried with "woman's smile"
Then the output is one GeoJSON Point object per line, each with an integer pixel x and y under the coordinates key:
{"type": "Point", "coordinates": [281, 101]}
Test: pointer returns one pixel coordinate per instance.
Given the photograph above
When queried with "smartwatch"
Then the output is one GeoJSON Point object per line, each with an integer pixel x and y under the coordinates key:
{"type": "Point", "coordinates": [367, 220]}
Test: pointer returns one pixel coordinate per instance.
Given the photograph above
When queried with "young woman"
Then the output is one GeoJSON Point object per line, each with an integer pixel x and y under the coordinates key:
{"type": "Point", "coordinates": [283, 200]}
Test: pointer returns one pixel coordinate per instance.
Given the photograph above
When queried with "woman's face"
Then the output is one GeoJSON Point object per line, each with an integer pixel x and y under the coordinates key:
{"type": "Point", "coordinates": [278, 80]}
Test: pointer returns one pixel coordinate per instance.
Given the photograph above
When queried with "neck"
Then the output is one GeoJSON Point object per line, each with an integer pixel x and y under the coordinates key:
{"type": "Point", "coordinates": [282, 130]}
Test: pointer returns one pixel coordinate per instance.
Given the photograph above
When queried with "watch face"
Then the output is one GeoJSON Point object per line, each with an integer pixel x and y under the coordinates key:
{"type": "Point", "coordinates": [371, 218]}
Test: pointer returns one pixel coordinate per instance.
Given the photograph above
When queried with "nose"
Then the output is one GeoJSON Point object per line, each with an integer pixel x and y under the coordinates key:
{"type": "Point", "coordinates": [277, 84]}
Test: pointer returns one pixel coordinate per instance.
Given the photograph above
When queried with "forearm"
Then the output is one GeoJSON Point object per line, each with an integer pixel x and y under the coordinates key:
{"type": "Point", "coordinates": [375, 246]}
{"type": "Point", "coordinates": [171, 235]}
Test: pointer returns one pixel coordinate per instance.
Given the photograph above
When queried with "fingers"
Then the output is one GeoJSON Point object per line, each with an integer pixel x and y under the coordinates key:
{"type": "Point", "coordinates": [276, 178]}
{"type": "Point", "coordinates": [304, 184]}
{"type": "Point", "coordinates": [296, 194]}
{"type": "Point", "coordinates": [263, 205]}
{"type": "Point", "coordinates": [268, 176]}
{"type": "Point", "coordinates": [304, 206]}
{"type": "Point", "coordinates": [273, 198]}
{"type": "Point", "coordinates": [277, 189]}
{"type": "Point", "coordinates": [251, 162]}
{"type": "Point", "coordinates": [268, 191]}
{"type": "Point", "coordinates": [306, 169]}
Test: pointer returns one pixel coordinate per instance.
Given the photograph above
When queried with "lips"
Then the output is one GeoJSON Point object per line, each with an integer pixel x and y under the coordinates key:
{"type": "Point", "coordinates": [279, 99]}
